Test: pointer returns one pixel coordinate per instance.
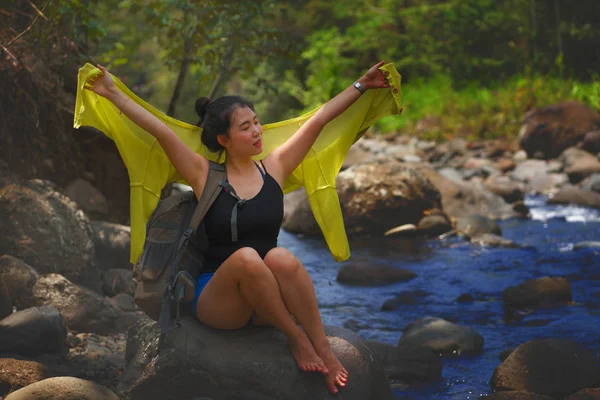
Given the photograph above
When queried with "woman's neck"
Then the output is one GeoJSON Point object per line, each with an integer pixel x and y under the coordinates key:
{"type": "Point", "coordinates": [239, 165]}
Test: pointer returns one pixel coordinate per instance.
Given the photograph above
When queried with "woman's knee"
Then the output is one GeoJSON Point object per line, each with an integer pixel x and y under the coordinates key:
{"type": "Point", "coordinates": [248, 262]}
{"type": "Point", "coordinates": [281, 261]}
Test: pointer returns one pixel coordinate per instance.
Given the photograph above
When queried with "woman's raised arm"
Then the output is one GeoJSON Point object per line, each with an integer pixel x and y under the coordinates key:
{"type": "Point", "coordinates": [284, 160]}
{"type": "Point", "coordinates": [191, 166]}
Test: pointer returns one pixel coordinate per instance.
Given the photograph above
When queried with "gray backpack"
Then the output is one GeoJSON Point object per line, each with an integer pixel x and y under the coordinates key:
{"type": "Point", "coordinates": [166, 272]}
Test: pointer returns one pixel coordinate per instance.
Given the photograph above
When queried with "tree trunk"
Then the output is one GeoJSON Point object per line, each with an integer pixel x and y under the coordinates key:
{"type": "Point", "coordinates": [185, 63]}
{"type": "Point", "coordinates": [224, 69]}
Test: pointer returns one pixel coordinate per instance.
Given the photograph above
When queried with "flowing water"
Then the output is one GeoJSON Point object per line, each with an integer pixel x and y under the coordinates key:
{"type": "Point", "coordinates": [451, 267]}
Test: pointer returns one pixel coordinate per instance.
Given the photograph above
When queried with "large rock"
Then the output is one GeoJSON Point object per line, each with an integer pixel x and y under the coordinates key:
{"type": "Point", "coordinates": [83, 309]}
{"type": "Point", "coordinates": [579, 164]}
{"type": "Point", "coordinates": [547, 131]}
{"type": "Point", "coordinates": [33, 331]}
{"type": "Point", "coordinates": [477, 225]}
{"type": "Point", "coordinates": [17, 373]}
{"type": "Point", "coordinates": [112, 245]}
{"type": "Point", "coordinates": [554, 367]}
{"type": "Point", "coordinates": [461, 199]}
{"type": "Point", "coordinates": [504, 187]}
{"type": "Point", "coordinates": [591, 142]}
{"type": "Point", "coordinates": [297, 215]}
{"type": "Point", "coordinates": [538, 292]}
{"type": "Point", "coordinates": [372, 275]}
{"type": "Point", "coordinates": [45, 229]}
{"type": "Point", "coordinates": [378, 197]}
{"type": "Point", "coordinates": [441, 336]}
{"type": "Point", "coordinates": [591, 183]}
{"type": "Point", "coordinates": [89, 199]}
{"type": "Point", "coordinates": [574, 195]}
{"type": "Point", "coordinates": [249, 363]}
{"type": "Point", "coordinates": [19, 279]}
{"type": "Point", "coordinates": [63, 388]}
{"type": "Point", "coordinates": [408, 364]}
{"type": "Point", "coordinates": [586, 394]}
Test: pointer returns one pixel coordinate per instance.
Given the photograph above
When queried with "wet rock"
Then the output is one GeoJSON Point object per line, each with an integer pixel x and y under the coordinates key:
{"type": "Point", "coordinates": [436, 222]}
{"type": "Point", "coordinates": [63, 388]}
{"type": "Point", "coordinates": [372, 275]}
{"type": "Point", "coordinates": [33, 331]}
{"type": "Point", "coordinates": [112, 245]}
{"type": "Point", "coordinates": [587, 245]}
{"type": "Point", "coordinates": [521, 208]}
{"type": "Point", "coordinates": [402, 230]}
{"type": "Point", "coordinates": [591, 183]}
{"type": "Point", "coordinates": [45, 229]}
{"type": "Point", "coordinates": [19, 279]}
{"type": "Point", "coordinates": [579, 164]}
{"type": "Point", "coordinates": [297, 215]}
{"type": "Point", "coordinates": [477, 225]}
{"type": "Point", "coordinates": [505, 353]}
{"type": "Point", "coordinates": [575, 195]}
{"type": "Point", "coordinates": [124, 302]}
{"type": "Point", "coordinates": [538, 292]}
{"type": "Point", "coordinates": [409, 297]}
{"type": "Point", "coordinates": [251, 362]}
{"type": "Point", "coordinates": [548, 131]}
{"type": "Point", "coordinates": [16, 374]}
{"type": "Point", "coordinates": [117, 281]}
{"type": "Point", "coordinates": [516, 395]}
{"type": "Point", "coordinates": [89, 199]}
{"type": "Point", "coordinates": [442, 337]}
{"type": "Point", "coordinates": [83, 310]}
{"type": "Point", "coordinates": [408, 364]}
{"type": "Point", "coordinates": [462, 199]}
{"type": "Point", "coordinates": [378, 197]}
{"type": "Point", "coordinates": [504, 187]}
{"type": "Point", "coordinates": [591, 142]}
{"type": "Point", "coordinates": [554, 367]}
{"type": "Point", "coordinates": [465, 298]}
{"type": "Point", "coordinates": [491, 240]}
{"type": "Point", "coordinates": [586, 394]}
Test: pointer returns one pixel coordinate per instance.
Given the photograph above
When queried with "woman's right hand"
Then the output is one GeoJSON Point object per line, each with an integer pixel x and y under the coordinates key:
{"type": "Point", "coordinates": [103, 85]}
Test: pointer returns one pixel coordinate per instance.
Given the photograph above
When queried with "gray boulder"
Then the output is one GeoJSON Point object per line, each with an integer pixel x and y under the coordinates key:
{"type": "Point", "coordinates": [575, 195]}
{"type": "Point", "coordinates": [19, 279]}
{"type": "Point", "coordinates": [83, 309]}
{"type": "Point", "coordinates": [45, 229]}
{"type": "Point", "coordinates": [408, 364]}
{"type": "Point", "coordinates": [491, 240]}
{"type": "Point", "coordinates": [477, 225]}
{"type": "Point", "coordinates": [372, 275]}
{"type": "Point", "coordinates": [579, 164]}
{"type": "Point", "coordinates": [441, 336]}
{"type": "Point", "coordinates": [89, 199]}
{"type": "Point", "coordinates": [33, 331]}
{"type": "Point", "coordinates": [250, 363]}
{"type": "Point", "coordinates": [591, 183]}
{"type": "Point", "coordinates": [112, 244]}
{"type": "Point", "coordinates": [462, 199]}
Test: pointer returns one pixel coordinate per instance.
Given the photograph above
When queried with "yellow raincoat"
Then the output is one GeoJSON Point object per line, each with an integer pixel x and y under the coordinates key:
{"type": "Point", "coordinates": [150, 170]}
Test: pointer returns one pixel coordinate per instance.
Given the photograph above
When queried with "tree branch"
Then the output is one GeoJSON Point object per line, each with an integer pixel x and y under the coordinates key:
{"type": "Point", "coordinates": [29, 27]}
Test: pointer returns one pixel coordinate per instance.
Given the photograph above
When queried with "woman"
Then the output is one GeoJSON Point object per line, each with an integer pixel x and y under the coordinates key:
{"type": "Point", "coordinates": [246, 277]}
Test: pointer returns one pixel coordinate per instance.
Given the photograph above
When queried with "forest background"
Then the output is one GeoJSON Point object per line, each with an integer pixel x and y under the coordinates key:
{"type": "Point", "coordinates": [470, 68]}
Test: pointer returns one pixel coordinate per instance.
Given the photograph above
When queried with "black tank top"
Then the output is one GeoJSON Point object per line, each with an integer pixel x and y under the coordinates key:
{"type": "Point", "coordinates": [258, 223]}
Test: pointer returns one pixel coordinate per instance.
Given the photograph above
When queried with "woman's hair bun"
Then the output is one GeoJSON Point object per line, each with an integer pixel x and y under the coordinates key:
{"type": "Point", "coordinates": [201, 106]}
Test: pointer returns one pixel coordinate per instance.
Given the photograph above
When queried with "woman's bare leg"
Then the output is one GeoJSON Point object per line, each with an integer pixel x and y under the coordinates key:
{"type": "Point", "coordinates": [243, 284]}
{"type": "Point", "coordinates": [298, 293]}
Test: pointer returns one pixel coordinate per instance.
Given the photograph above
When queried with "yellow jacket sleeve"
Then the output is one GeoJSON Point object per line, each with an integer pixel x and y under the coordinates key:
{"type": "Point", "coordinates": [150, 170]}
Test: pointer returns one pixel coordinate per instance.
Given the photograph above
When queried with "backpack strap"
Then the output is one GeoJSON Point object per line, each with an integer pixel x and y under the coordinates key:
{"type": "Point", "coordinates": [173, 291]}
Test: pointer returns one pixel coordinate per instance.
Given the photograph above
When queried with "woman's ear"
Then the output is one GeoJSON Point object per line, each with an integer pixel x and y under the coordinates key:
{"type": "Point", "coordinates": [223, 140]}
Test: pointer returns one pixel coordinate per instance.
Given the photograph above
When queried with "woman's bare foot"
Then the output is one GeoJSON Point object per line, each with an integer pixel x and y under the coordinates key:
{"type": "Point", "coordinates": [338, 376]}
{"type": "Point", "coordinates": [306, 356]}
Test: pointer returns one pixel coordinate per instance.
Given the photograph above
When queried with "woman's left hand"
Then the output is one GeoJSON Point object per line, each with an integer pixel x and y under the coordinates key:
{"type": "Point", "coordinates": [374, 78]}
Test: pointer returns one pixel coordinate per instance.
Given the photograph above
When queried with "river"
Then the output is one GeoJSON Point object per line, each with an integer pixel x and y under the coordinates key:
{"type": "Point", "coordinates": [448, 268]}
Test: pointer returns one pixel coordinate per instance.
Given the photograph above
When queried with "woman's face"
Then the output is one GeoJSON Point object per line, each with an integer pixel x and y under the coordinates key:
{"type": "Point", "coordinates": [245, 133]}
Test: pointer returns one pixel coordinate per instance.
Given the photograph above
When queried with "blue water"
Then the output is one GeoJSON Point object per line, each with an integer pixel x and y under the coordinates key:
{"type": "Point", "coordinates": [449, 268]}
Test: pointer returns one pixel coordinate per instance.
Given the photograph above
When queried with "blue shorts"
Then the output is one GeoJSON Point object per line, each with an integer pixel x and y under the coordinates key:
{"type": "Point", "coordinates": [200, 284]}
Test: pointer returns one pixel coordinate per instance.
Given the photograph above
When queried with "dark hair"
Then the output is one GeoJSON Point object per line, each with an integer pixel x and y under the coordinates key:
{"type": "Point", "coordinates": [215, 118]}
